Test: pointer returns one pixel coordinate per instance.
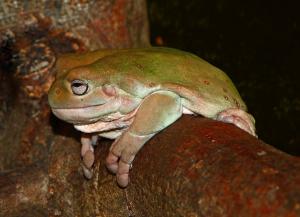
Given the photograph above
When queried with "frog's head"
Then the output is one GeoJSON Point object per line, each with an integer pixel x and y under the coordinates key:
{"type": "Point", "coordinates": [81, 96]}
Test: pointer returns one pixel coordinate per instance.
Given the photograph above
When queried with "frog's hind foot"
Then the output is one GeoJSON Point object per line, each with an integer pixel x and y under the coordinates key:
{"type": "Point", "coordinates": [239, 118]}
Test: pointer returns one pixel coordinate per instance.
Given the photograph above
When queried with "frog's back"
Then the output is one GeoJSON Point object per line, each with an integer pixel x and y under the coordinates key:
{"type": "Point", "coordinates": [204, 88]}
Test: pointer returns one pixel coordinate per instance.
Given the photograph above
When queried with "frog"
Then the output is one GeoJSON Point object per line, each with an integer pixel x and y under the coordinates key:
{"type": "Point", "coordinates": [130, 95]}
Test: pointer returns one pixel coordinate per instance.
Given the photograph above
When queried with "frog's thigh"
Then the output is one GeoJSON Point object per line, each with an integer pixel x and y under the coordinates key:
{"type": "Point", "coordinates": [238, 117]}
{"type": "Point", "coordinates": [156, 112]}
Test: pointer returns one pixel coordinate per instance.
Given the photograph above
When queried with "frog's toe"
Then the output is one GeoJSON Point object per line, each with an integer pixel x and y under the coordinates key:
{"type": "Point", "coordinates": [87, 151]}
{"type": "Point", "coordinates": [88, 158]}
{"type": "Point", "coordinates": [95, 139]}
{"type": "Point", "coordinates": [112, 162]}
{"type": "Point", "coordinates": [123, 174]}
{"type": "Point", "coordinates": [88, 173]}
{"type": "Point", "coordinates": [123, 180]}
{"type": "Point", "coordinates": [239, 118]}
{"type": "Point", "coordinates": [86, 144]}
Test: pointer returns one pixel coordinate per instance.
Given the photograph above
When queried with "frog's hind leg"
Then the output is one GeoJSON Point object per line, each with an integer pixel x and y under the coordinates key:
{"type": "Point", "coordinates": [239, 118]}
{"type": "Point", "coordinates": [87, 153]}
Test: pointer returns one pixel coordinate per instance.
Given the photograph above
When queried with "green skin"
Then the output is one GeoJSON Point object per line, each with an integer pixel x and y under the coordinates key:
{"type": "Point", "coordinates": [131, 95]}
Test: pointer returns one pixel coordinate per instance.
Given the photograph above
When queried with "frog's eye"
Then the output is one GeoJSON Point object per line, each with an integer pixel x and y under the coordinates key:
{"type": "Point", "coordinates": [79, 87]}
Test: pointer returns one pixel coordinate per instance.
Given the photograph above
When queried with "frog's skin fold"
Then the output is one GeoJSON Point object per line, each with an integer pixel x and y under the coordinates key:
{"type": "Point", "coordinates": [131, 95]}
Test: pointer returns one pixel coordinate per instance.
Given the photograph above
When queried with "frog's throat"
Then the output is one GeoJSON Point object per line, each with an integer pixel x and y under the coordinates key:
{"type": "Point", "coordinates": [110, 122]}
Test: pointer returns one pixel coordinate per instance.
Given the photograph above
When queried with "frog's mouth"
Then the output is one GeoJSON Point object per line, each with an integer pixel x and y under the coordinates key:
{"type": "Point", "coordinates": [85, 115]}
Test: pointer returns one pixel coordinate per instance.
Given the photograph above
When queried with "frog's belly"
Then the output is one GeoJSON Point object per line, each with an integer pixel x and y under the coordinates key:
{"type": "Point", "coordinates": [187, 111]}
{"type": "Point", "coordinates": [110, 126]}
{"type": "Point", "coordinates": [113, 134]}
{"type": "Point", "coordinates": [104, 127]}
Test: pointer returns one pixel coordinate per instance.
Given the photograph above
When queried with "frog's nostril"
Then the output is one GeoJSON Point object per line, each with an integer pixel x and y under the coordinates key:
{"type": "Point", "coordinates": [57, 91]}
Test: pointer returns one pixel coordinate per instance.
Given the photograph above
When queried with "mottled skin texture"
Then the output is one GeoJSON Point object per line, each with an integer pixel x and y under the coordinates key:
{"type": "Point", "coordinates": [131, 95]}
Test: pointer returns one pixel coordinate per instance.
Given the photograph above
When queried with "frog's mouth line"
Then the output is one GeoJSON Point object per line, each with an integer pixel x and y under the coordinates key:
{"type": "Point", "coordinates": [80, 107]}
{"type": "Point", "coordinates": [67, 111]}
{"type": "Point", "coordinates": [82, 115]}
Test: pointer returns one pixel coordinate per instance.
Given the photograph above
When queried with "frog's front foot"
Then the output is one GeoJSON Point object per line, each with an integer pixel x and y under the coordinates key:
{"type": "Point", "coordinates": [157, 111]}
{"type": "Point", "coordinates": [87, 153]}
{"type": "Point", "coordinates": [117, 166]}
{"type": "Point", "coordinates": [239, 118]}
{"type": "Point", "coordinates": [122, 153]}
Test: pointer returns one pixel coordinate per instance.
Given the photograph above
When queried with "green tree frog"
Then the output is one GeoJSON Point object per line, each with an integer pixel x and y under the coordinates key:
{"type": "Point", "coordinates": [132, 94]}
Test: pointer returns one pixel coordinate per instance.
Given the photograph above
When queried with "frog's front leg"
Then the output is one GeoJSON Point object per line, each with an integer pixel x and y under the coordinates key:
{"type": "Point", "coordinates": [155, 113]}
{"type": "Point", "coordinates": [87, 153]}
{"type": "Point", "coordinates": [240, 118]}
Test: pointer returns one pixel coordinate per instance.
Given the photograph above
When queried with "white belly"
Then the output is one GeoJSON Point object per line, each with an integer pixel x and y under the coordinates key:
{"type": "Point", "coordinates": [187, 111]}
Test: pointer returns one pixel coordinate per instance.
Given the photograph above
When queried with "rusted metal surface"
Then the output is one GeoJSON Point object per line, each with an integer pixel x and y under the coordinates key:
{"type": "Point", "coordinates": [23, 192]}
{"type": "Point", "coordinates": [199, 167]}
{"type": "Point", "coordinates": [98, 23]}
{"type": "Point", "coordinates": [206, 169]}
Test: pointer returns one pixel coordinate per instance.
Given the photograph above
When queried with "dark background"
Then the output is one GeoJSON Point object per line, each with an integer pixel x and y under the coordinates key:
{"type": "Point", "coordinates": [255, 42]}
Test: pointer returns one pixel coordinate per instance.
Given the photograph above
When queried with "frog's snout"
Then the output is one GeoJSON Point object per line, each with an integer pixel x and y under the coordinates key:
{"type": "Point", "coordinates": [54, 94]}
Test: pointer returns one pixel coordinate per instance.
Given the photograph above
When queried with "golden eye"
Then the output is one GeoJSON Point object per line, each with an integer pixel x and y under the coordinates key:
{"type": "Point", "coordinates": [79, 87]}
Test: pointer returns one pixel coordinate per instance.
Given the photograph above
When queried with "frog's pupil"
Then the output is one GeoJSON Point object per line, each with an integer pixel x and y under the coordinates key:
{"type": "Point", "coordinates": [76, 85]}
